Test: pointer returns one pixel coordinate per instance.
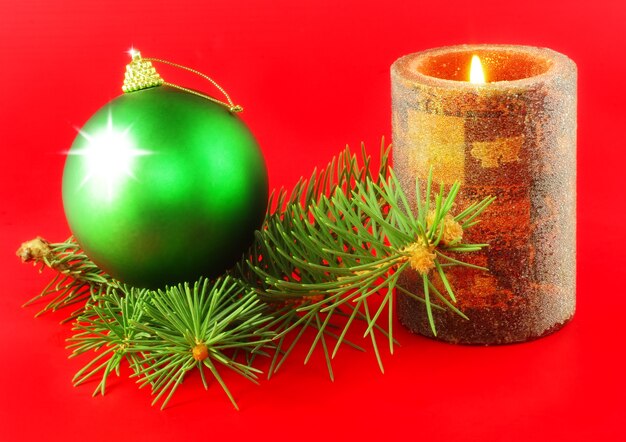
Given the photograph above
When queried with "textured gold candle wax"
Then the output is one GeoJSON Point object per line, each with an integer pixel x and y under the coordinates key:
{"type": "Point", "coordinates": [513, 137]}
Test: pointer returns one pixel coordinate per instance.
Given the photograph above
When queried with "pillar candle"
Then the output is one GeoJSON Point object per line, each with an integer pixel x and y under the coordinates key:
{"type": "Point", "coordinates": [513, 137]}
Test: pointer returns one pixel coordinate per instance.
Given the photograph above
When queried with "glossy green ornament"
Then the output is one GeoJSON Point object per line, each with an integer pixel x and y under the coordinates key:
{"type": "Point", "coordinates": [162, 186]}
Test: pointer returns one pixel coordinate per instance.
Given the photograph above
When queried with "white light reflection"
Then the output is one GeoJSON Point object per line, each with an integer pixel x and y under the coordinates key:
{"type": "Point", "coordinates": [134, 53]}
{"type": "Point", "coordinates": [109, 156]}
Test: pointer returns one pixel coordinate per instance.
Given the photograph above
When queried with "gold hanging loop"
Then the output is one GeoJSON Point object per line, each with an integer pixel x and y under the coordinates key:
{"type": "Point", "coordinates": [141, 74]}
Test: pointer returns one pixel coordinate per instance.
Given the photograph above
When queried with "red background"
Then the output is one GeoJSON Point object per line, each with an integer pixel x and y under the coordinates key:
{"type": "Point", "coordinates": [312, 77]}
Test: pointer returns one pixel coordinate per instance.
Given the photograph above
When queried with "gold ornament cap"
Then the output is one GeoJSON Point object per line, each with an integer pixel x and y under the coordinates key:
{"type": "Point", "coordinates": [140, 74]}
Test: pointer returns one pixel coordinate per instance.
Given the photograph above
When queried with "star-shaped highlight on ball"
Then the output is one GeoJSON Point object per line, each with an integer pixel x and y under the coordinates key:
{"type": "Point", "coordinates": [109, 156]}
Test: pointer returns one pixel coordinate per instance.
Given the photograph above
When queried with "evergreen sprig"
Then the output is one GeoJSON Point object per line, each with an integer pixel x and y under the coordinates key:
{"type": "Point", "coordinates": [165, 334]}
{"type": "Point", "coordinates": [348, 235]}
{"type": "Point", "coordinates": [108, 327]}
{"type": "Point", "coordinates": [212, 323]}
{"type": "Point", "coordinates": [76, 280]}
{"type": "Point", "coordinates": [328, 255]}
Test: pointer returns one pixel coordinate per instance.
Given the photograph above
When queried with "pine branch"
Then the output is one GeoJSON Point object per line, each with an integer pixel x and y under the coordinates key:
{"type": "Point", "coordinates": [328, 256]}
{"type": "Point", "coordinates": [108, 328]}
{"type": "Point", "coordinates": [201, 327]}
{"type": "Point", "coordinates": [167, 333]}
{"type": "Point", "coordinates": [114, 323]}
{"type": "Point", "coordinates": [287, 213]}
{"type": "Point", "coordinates": [329, 248]}
{"type": "Point", "coordinates": [77, 279]}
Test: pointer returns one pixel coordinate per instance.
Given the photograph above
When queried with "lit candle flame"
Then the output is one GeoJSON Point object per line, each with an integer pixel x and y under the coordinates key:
{"type": "Point", "coordinates": [477, 74]}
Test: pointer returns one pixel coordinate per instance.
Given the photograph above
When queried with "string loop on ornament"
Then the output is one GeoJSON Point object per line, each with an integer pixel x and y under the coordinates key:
{"type": "Point", "coordinates": [230, 104]}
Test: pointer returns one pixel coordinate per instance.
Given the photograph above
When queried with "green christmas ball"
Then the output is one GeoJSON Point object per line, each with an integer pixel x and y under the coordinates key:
{"type": "Point", "coordinates": [162, 186]}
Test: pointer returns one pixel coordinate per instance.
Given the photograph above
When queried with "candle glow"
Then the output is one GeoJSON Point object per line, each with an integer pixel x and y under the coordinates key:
{"type": "Point", "coordinates": [477, 74]}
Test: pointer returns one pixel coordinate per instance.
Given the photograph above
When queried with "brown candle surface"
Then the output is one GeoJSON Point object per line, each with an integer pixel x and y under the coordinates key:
{"type": "Point", "coordinates": [514, 138]}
